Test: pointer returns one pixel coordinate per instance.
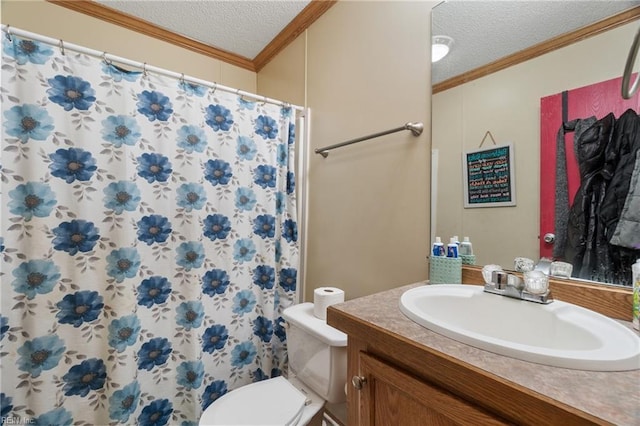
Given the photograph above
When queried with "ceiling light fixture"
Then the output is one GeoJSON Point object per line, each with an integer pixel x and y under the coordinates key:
{"type": "Point", "coordinates": [440, 47]}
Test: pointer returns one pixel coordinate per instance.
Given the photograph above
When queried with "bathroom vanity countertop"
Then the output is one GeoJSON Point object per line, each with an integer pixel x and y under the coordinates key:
{"type": "Point", "coordinates": [611, 396]}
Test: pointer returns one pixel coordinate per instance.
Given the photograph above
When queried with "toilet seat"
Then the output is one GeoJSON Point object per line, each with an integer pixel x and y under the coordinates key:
{"type": "Point", "coordinates": [268, 402]}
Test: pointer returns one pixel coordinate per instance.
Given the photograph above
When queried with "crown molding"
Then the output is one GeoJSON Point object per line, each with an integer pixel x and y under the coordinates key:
{"type": "Point", "coordinates": [314, 10]}
{"type": "Point", "coordinates": [540, 49]}
{"type": "Point", "coordinates": [300, 23]}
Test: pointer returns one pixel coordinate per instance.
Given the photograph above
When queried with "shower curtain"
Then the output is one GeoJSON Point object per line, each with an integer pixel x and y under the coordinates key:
{"type": "Point", "coordinates": [149, 241]}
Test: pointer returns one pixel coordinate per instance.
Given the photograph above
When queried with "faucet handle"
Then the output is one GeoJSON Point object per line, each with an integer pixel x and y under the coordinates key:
{"type": "Point", "coordinates": [536, 282]}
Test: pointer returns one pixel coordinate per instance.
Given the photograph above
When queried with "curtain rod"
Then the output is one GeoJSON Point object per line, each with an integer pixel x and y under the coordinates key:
{"type": "Point", "coordinates": [416, 130]}
{"type": "Point", "coordinates": [11, 31]}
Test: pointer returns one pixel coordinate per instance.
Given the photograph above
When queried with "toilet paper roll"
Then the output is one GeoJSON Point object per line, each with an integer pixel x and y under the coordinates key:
{"type": "Point", "coordinates": [323, 297]}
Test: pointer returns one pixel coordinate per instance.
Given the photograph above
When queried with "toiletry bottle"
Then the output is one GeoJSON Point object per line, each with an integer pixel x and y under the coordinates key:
{"type": "Point", "coordinates": [465, 247]}
{"type": "Point", "coordinates": [438, 247]}
{"type": "Point", "coordinates": [452, 248]}
{"type": "Point", "coordinates": [457, 241]}
{"type": "Point", "coordinates": [635, 269]}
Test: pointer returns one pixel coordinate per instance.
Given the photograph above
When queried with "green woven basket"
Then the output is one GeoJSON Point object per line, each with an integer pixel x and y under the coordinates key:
{"type": "Point", "coordinates": [445, 270]}
{"type": "Point", "coordinates": [468, 259]}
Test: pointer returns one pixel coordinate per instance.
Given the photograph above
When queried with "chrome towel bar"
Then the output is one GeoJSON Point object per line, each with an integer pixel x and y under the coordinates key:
{"type": "Point", "coordinates": [416, 130]}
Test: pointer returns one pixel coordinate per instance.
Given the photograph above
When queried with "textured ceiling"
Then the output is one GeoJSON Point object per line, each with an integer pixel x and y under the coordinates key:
{"type": "Point", "coordinates": [243, 27]}
{"type": "Point", "coordinates": [484, 31]}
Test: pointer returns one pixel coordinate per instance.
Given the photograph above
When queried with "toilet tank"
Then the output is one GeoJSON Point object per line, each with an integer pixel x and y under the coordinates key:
{"type": "Point", "coordinates": [317, 352]}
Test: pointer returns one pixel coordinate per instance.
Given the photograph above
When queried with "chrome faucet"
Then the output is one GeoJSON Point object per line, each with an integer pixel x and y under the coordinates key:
{"type": "Point", "coordinates": [510, 285]}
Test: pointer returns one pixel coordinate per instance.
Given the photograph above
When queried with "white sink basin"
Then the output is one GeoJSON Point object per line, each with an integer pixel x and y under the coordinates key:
{"type": "Point", "coordinates": [558, 334]}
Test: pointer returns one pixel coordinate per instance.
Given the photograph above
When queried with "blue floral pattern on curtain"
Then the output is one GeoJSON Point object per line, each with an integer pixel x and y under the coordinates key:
{"type": "Point", "coordinates": [149, 241]}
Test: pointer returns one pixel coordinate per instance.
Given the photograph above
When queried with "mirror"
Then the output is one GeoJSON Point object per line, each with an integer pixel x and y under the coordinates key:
{"type": "Point", "coordinates": [503, 98]}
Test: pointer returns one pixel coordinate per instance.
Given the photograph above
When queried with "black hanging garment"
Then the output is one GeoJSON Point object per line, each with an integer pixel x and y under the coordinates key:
{"type": "Point", "coordinates": [561, 214]}
{"type": "Point", "coordinates": [603, 224]}
{"type": "Point", "coordinates": [620, 208]}
{"type": "Point", "coordinates": [587, 246]}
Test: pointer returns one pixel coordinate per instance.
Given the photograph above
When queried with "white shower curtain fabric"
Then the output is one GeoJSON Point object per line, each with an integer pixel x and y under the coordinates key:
{"type": "Point", "coordinates": [149, 241]}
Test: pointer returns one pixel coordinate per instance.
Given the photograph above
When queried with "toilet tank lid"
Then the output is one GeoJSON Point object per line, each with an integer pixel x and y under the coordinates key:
{"type": "Point", "coordinates": [302, 316]}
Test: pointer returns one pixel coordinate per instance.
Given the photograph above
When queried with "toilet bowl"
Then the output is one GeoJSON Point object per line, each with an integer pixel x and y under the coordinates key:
{"type": "Point", "coordinates": [317, 373]}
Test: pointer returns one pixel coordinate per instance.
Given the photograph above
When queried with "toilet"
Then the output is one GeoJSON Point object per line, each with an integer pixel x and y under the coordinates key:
{"type": "Point", "coordinates": [317, 374]}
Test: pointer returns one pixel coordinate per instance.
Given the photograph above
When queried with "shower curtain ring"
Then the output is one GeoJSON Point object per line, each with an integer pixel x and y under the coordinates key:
{"type": "Point", "coordinates": [144, 69]}
{"type": "Point", "coordinates": [182, 82]}
{"type": "Point", "coordinates": [61, 45]}
{"type": "Point", "coordinates": [214, 87]}
{"type": "Point", "coordinates": [8, 33]}
{"type": "Point", "coordinates": [239, 95]}
{"type": "Point", "coordinates": [105, 59]}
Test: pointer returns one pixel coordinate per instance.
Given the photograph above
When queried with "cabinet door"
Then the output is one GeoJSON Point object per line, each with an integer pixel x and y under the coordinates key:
{"type": "Point", "coordinates": [390, 396]}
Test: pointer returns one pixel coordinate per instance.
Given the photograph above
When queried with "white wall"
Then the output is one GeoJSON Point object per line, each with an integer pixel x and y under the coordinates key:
{"type": "Point", "coordinates": [367, 69]}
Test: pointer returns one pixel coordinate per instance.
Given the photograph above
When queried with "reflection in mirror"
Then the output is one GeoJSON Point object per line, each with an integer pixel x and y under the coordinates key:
{"type": "Point", "coordinates": [504, 98]}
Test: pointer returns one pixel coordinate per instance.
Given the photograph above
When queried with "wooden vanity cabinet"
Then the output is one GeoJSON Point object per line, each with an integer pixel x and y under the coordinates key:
{"type": "Point", "coordinates": [390, 396]}
{"type": "Point", "coordinates": [405, 383]}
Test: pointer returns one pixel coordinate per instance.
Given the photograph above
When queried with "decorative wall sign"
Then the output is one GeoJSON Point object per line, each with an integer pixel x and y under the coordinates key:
{"type": "Point", "coordinates": [489, 177]}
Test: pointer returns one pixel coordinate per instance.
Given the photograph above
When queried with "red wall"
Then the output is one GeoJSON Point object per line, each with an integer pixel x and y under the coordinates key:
{"type": "Point", "coordinates": [594, 100]}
